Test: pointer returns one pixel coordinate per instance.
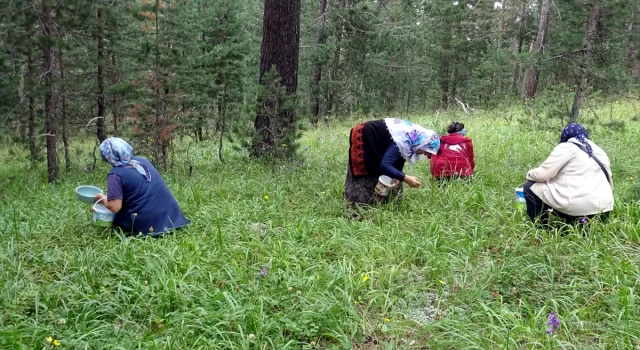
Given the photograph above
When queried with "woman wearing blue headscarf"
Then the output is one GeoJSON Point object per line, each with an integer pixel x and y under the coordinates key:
{"type": "Point", "coordinates": [574, 182]}
{"type": "Point", "coordinates": [136, 193]}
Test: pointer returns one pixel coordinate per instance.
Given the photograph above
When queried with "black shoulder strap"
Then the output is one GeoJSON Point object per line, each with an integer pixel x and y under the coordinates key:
{"type": "Point", "coordinates": [604, 170]}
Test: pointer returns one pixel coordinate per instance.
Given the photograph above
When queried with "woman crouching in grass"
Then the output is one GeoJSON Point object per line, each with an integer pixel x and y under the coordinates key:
{"type": "Point", "coordinates": [381, 147]}
{"type": "Point", "coordinates": [455, 159]}
{"type": "Point", "coordinates": [137, 194]}
{"type": "Point", "coordinates": [574, 181]}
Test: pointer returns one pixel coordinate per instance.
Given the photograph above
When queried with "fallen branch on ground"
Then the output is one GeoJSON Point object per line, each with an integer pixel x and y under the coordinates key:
{"type": "Point", "coordinates": [464, 106]}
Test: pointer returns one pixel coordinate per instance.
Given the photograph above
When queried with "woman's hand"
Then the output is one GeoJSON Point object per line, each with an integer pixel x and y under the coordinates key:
{"type": "Point", "coordinates": [395, 183]}
{"type": "Point", "coordinates": [114, 205]}
{"type": "Point", "coordinates": [412, 181]}
{"type": "Point", "coordinates": [101, 197]}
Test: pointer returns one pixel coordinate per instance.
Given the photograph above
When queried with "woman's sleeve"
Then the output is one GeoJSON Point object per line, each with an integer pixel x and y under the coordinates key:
{"type": "Point", "coordinates": [472, 156]}
{"type": "Point", "coordinates": [552, 165]}
{"type": "Point", "coordinates": [391, 156]}
{"type": "Point", "coordinates": [114, 187]}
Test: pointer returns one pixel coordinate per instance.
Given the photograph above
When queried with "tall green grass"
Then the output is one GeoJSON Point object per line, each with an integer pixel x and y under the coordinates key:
{"type": "Point", "coordinates": [448, 266]}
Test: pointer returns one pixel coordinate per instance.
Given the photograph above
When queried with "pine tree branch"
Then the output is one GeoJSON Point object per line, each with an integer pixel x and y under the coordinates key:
{"type": "Point", "coordinates": [419, 67]}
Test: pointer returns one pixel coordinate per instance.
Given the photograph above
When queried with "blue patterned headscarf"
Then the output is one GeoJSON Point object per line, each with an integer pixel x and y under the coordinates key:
{"type": "Point", "coordinates": [119, 153]}
{"type": "Point", "coordinates": [575, 130]}
{"type": "Point", "coordinates": [411, 137]}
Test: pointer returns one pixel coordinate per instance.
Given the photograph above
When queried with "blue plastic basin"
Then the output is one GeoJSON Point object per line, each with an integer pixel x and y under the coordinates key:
{"type": "Point", "coordinates": [87, 194]}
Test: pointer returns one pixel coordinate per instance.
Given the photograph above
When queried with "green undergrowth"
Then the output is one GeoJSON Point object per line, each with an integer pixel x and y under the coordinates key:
{"type": "Point", "coordinates": [448, 266]}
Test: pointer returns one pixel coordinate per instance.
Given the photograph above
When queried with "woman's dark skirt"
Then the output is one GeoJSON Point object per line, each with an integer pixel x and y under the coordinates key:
{"type": "Point", "coordinates": [361, 190]}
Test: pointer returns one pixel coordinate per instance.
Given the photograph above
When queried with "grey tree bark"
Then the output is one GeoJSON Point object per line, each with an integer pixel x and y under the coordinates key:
{"type": "Point", "coordinates": [100, 122]}
{"type": "Point", "coordinates": [532, 73]}
{"type": "Point", "coordinates": [280, 49]}
{"type": "Point", "coordinates": [316, 77]}
{"type": "Point", "coordinates": [47, 73]}
{"type": "Point", "coordinates": [583, 72]}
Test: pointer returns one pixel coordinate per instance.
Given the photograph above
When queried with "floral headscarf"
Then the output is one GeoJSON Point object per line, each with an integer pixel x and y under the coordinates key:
{"type": "Point", "coordinates": [411, 137]}
{"type": "Point", "coordinates": [118, 152]}
{"type": "Point", "coordinates": [575, 130]}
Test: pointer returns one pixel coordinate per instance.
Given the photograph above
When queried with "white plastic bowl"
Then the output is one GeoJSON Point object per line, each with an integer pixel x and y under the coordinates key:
{"type": "Point", "coordinates": [87, 194]}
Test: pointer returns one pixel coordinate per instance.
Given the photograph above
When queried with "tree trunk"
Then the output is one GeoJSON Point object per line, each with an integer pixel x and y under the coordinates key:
{"type": "Point", "coordinates": [409, 86]}
{"type": "Point", "coordinates": [583, 72]}
{"type": "Point", "coordinates": [532, 73]}
{"type": "Point", "coordinates": [221, 81]}
{"type": "Point", "coordinates": [444, 81]}
{"type": "Point", "coordinates": [280, 49]}
{"type": "Point", "coordinates": [31, 116]}
{"type": "Point", "coordinates": [204, 41]}
{"type": "Point", "coordinates": [516, 69]}
{"type": "Point", "coordinates": [31, 124]}
{"type": "Point", "coordinates": [335, 61]}
{"type": "Point", "coordinates": [317, 68]}
{"type": "Point", "coordinates": [100, 122]}
{"type": "Point", "coordinates": [157, 78]}
{"type": "Point", "coordinates": [47, 73]}
{"type": "Point", "coordinates": [635, 50]}
{"type": "Point", "coordinates": [454, 82]}
{"type": "Point", "coordinates": [160, 123]}
{"type": "Point", "coordinates": [501, 24]}
{"type": "Point", "coordinates": [222, 115]}
{"type": "Point", "coordinates": [115, 98]}
{"type": "Point", "coordinates": [63, 97]}
{"type": "Point", "coordinates": [444, 76]}
{"type": "Point", "coordinates": [63, 112]}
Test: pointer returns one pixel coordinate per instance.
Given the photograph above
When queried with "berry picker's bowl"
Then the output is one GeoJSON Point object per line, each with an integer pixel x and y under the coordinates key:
{"type": "Point", "coordinates": [87, 194]}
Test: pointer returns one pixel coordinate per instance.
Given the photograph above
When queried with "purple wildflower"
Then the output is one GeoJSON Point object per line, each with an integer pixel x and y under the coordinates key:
{"type": "Point", "coordinates": [263, 271]}
{"type": "Point", "coordinates": [554, 322]}
{"type": "Point", "coordinates": [584, 221]}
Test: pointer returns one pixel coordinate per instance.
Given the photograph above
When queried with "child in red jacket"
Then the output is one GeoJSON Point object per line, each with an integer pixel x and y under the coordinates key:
{"type": "Point", "coordinates": [455, 157]}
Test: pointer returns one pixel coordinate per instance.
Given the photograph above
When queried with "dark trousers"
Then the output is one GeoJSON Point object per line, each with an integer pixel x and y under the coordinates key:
{"type": "Point", "coordinates": [537, 209]}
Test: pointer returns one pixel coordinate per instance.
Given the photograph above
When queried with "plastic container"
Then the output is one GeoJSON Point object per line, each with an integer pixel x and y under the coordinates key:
{"type": "Point", "coordinates": [87, 194]}
{"type": "Point", "coordinates": [102, 216]}
{"type": "Point", "coordinates": [385, 184]}
{"type": "Point", "coordinates": [521, 203]}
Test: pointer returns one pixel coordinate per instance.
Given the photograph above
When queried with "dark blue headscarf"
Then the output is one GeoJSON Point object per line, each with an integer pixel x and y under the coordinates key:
{"type": "Point", "coordinates": [580, 133]}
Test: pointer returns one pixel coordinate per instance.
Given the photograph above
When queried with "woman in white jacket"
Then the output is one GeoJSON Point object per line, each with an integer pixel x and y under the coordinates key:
{"type": "Point", "coordinates": [574, 182]}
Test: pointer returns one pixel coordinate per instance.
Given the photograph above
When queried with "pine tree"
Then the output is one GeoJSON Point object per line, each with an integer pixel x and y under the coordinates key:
{"type": "Point", "coordinates": [47, 73]}
{"type": "Point", "coordinates": [275, 122]}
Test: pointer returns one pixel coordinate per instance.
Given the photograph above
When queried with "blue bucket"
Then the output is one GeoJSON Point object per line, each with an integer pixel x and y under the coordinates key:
{"type": "Point", "coordinates": [521, 203]}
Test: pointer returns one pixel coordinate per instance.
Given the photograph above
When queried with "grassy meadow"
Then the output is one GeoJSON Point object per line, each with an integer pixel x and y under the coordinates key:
{"type": "Point", "coordinates": [451, 266]}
